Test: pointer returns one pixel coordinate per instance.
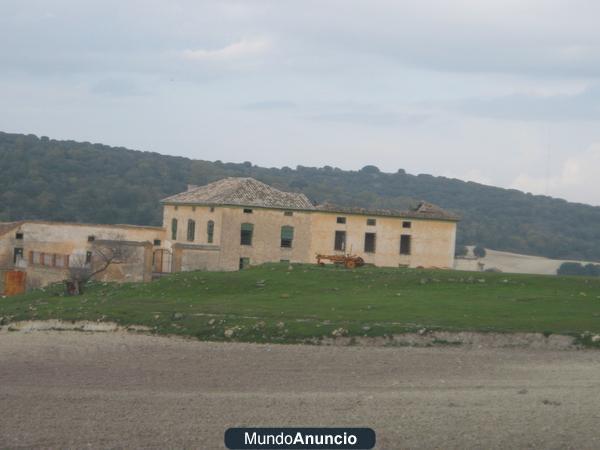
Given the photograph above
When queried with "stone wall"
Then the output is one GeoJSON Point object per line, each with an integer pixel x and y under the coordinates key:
{"type": "Point", "coordinates": [432, 241]}
{"type": "Point", "coordinates": [49, 248]}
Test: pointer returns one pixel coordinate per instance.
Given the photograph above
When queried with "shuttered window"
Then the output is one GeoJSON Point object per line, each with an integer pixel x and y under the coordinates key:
{"type": "Point", "coordinates": [246, 234]}
{"type": "Point", "coordinates": [191, 230]}
{"type": "Point", "coordinates": [287, 236]}
{"type": "Point", "coordinates": [174, 229]}
{"type": "Point", "coordinates": [210, 231]}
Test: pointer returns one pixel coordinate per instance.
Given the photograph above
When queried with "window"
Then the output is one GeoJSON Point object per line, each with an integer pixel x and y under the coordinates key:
{"type": "Point", "coordinates": [35, 258]}
{"type": "Point", "coordinates": [288, 213]}
{"type": "Point", "coordinates": [60, 261]}
{"type": "Point", "coordinates": [176, 208]}
{"type": "Point", "coordinates": [191, 230]}
{"type": "Point", "coordinates": [193, 208]}
{"type": "Point", "coordinates": [174, 229]}
{"type": "Point", "coordinates": [19, 236]}
{"type": "Point", "coordinates": [406, 224]}
{"type": "Point", "coordinates": [246, 234]}
{"type": "Point", "coordinates": [18, 254]}
{"type": "Point", "coordinates": [49, 259]}
{"type": "Point", "coordinates": [341, 220]}
{"type": "Point", "coordinates": [287, 236]}
{"type": "Point", "coordinates": [244, 262]}
{"type": "Point", "coordinates": [369, 242]}
{"type": "Point", "coordinates": [88, 257]}
{"type": "Point", "coordinates": [210, 231]}
{"type": "Point", "coordinates": [247, 211]}
{"type": "Point", "coordinates": [405, 244]}
{"type": "Point", "coordinates": [371, 222]}
{"type": "Point", "coordinates": [157, 242]}
{"type": "Point", "coordinates": [91, 238]}
{"type": "Point", "coordinates": [340, 241]}
{"type": "Point", "coordinates": [212, 209]}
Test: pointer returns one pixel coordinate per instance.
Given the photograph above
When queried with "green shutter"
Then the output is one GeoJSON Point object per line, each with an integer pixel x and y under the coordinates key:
{"type": "Point", "coordinates": [174, 229]}
{"type": "Point", "coordinates": [287, 233]}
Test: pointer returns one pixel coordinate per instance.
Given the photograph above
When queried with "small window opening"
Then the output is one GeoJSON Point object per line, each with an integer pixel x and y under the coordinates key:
{"type": "Point", "coordinates": [91, 238]}
{"type": "Point", "coordinates": [406, 224]}
{"type": "Point", "coordinates": [341, 220]}
{"type": "Point", "coordinates": [19, 236]}
{"type": "Point", "coordinates": [157, 242]}
{"type": "Point", "coordinates": [247, 211]}
{"type": "Point", "coordinates": [212, 209]}
{"type": "Point", "coordinates": [88, 257]}
{"type": "Point", "coordinates": [369, 242]}
{"type": "Point", "coordinates": [288, 213]}
{"type": "Point", "coordinates": [371, 222]}
{"type": "Point", "coordinates": [244, 263]}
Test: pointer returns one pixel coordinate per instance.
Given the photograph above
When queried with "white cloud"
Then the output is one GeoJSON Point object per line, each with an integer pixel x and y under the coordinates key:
{"type": "Point", "coordinates": [238, 50]}
{"type": "Point", "coordinates": [578, 179]}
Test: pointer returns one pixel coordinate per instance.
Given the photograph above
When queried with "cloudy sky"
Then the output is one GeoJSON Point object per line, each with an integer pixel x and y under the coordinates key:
{"type": "Point", "coordinates": [501, 92]}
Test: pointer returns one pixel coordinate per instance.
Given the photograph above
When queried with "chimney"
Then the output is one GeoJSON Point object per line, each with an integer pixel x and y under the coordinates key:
{"type": "Point", "coordinates": [192, 186]}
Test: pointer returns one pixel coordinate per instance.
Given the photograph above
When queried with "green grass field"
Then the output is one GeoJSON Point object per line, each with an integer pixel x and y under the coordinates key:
{"type": "Point", "coordinates": [273, 303]}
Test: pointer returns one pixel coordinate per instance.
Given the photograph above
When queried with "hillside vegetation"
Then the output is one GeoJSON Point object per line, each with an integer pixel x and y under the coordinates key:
{"type": "Point", "coordinates": [275, 303]}
{"type": "Point", "coordinates": [41, 178]}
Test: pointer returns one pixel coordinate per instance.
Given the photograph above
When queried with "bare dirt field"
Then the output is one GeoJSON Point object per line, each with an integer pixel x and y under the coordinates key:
{"type": "Point", "coordinates": [107, 390]}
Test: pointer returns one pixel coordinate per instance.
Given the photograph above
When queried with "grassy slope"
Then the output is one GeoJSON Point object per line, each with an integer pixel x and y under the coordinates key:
{"type": "Point", "coordinates": [310, 301]}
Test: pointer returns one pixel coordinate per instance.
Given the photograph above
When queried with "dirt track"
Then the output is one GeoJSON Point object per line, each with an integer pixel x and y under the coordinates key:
{"type": "Point", "coordinates": [74, 389]}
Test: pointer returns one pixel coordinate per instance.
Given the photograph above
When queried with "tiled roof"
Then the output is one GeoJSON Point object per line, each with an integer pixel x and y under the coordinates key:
{"type": "Point", "coordinates": [423, 211]}
{"type": "Point", "coordinates": [242, 192]}
{"type": "Point", "coordinates": [5, 227]}
{"type": "Point", "coordinates": [251, 192]}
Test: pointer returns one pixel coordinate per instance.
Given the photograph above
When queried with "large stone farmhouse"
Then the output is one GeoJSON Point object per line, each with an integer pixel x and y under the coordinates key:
{"type": "Point", "coordinates": [228, 225]}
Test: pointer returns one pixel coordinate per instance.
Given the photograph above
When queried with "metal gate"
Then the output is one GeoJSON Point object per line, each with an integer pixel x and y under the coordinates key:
{"type": "Point", "coordinates": [161, 261]}
{"type": "Point", "coordinates": [14, 282]}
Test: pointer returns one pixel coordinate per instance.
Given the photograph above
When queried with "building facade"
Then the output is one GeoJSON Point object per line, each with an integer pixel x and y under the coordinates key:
{"type": "Point", "coordinates": [238, 221]}
{"type": "Point", "coordinates": [45, 251]}
{"type": "Point", "coordinates": [228, 225]}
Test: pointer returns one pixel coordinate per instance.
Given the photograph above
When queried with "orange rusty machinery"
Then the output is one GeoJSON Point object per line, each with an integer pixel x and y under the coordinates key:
{"type": "Point", "coordinates": [348, 261]}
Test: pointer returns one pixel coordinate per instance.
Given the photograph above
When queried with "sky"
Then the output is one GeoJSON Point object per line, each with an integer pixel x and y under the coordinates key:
{"type": "Point", "coordinates": [504, 92]}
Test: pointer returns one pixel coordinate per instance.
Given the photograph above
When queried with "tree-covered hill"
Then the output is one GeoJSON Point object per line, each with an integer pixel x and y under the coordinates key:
{"type": "Point", "coordinates": [42, 178]}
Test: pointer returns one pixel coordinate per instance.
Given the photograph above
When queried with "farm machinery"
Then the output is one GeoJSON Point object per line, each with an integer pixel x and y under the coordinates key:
{"type": "Point", "coordinates": [348, 261]}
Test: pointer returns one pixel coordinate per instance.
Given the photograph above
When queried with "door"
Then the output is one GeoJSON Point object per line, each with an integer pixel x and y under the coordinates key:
{"type": "Point", "coordinates": [161, 261]}
{"type": "Point", "coordinates": [14, 282]}
{"type": "Point", "coordinates": [17, 255]}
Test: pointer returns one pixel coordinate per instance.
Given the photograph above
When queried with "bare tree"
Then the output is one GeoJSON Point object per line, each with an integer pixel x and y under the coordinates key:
{"type": "Point", "coordinates": [104, 253]}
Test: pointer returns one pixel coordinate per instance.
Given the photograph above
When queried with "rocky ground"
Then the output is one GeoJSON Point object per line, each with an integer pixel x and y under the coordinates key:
{"type": "Point", "coordinates": [117, 389]}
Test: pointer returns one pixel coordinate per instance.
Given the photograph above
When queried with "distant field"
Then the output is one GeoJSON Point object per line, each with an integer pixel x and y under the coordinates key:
{"type": "Point", "coordinates": [273, 303]}
{"type": "Point", "coordinates": [514, 263]}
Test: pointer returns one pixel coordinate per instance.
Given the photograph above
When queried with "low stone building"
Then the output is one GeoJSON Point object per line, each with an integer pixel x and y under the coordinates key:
{"type": "Point", "coordinates": [45, 251]}
{"type": "Point", "coordinates": [228, 225]}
